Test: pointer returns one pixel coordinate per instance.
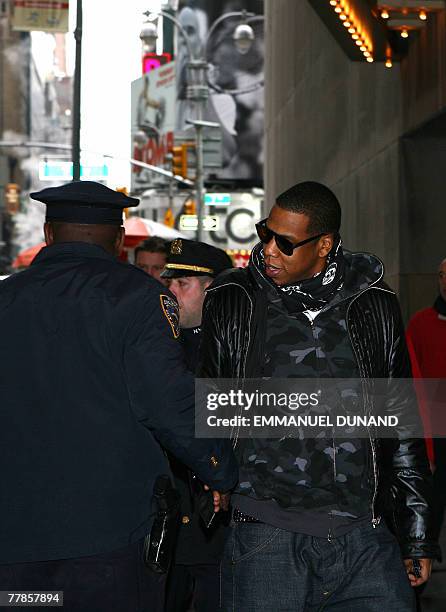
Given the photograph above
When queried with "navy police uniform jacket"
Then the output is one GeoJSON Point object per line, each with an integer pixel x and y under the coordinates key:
{"type": "Point", "coordinates": [91, 378]}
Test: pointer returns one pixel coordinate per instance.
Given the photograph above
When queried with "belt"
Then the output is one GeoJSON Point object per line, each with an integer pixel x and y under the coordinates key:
{"type": "Point", "coordinates": [240, 517]}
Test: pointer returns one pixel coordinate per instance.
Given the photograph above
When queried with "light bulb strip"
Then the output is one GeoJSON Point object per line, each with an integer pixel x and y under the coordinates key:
{"type": "Point", "coordinates": [348, 20]}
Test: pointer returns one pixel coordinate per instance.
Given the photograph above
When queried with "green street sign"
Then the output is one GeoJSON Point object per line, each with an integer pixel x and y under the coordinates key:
{"type": "Point", "coordinates": [63, 171]}
{"type": "Point", "coordinates": [217, 199]}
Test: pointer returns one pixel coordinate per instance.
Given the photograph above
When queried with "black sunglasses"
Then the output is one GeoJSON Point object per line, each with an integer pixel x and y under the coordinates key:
{"type": "Point", "coordinates": [284, 245]}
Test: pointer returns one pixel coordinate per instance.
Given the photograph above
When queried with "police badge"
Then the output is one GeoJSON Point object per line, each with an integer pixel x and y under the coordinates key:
{"type": "Point", "coordinates": [171, 312]}
{"type": "Point", "coordinates": [176, 247]}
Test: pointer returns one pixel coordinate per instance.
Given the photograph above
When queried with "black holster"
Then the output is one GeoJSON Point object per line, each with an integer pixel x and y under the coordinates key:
{"type": "Point", "coordinates": [159, 544]}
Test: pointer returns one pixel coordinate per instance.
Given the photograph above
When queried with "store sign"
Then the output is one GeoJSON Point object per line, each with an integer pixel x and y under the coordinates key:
{"type": "Point", "coordinates": [40, 15]}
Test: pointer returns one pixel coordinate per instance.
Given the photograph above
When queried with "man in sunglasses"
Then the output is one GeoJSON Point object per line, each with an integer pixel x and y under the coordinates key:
{"type": "Point", "coordinates": [307, 531]}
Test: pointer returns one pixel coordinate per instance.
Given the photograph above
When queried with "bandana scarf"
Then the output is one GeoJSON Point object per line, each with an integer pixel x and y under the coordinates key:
{"type": "Point", "coordinates": [314, 293]}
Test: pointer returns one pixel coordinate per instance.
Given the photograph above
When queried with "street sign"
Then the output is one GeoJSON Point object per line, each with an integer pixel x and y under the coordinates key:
{"type": "Point", "coordinates": [190, 222]}
{"type": "Point", "coordinates": [63, 171]}
{"type": "Point", "coordinates": [211, 224]}
{"type": "Point", "coordinates": [217, 199]}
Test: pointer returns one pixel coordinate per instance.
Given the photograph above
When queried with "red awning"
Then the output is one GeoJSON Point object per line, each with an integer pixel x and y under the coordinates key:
{"type": "Point", "coordinates": [25, 257]}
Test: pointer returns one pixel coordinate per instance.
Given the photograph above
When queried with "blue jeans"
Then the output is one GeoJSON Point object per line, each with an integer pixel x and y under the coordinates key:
{"type": "Point", "coordinates": [265, 569]}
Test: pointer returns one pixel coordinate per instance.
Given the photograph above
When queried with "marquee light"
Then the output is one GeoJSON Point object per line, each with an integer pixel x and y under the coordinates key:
{"type": "Point", "coordinates": [349, 20]}
{"type": "Point", "coordinates": [406, 16]}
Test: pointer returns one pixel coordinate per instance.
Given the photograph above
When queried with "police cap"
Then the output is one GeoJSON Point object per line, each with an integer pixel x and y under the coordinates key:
{"type": "Point", "coordinates": [84, 202]}
{"type": "Point", "coordinates": [192, 258]}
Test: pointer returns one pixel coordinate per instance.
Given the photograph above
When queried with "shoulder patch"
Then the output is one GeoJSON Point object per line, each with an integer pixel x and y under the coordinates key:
{"type": "Point", "coordinates": [172, 314]}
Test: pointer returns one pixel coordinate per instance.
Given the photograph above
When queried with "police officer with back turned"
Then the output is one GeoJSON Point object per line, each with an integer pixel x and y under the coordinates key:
{"type": "Point", "coordinates": [92, 382]}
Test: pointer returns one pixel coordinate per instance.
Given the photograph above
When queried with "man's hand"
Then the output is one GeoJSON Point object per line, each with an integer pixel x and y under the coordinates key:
{"type": "Point", "coordinates": [426, 568]}
{"type": "Point", "coordinates": [221, 500]}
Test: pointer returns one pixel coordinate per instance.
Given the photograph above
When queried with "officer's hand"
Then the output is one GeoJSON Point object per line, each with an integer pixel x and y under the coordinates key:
{"type": "Point", "coordinates": [426, 568]}
{"type": "Point", "coordinates": [221, 500]}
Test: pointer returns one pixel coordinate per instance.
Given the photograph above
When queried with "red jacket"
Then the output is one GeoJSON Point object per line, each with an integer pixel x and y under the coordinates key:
{"type": "Point", "coordinates": [427, 332]}
{"type": "Point", "coordinates": [426, 341]}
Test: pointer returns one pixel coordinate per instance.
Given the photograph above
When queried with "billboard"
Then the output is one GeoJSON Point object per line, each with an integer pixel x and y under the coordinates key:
{"type": "Point", "coordinates": [241, 115]}
{"type": "Point", "coordinates": [42, 15]}
{"type": "Point", "coordinates": [153, 120]}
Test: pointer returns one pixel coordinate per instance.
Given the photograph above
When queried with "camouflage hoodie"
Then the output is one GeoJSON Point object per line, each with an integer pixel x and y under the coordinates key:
{"type": "Point", "coordinates": [301, 478]}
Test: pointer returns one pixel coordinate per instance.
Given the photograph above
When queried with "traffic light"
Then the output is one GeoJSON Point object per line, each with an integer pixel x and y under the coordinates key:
{"type": "Point", "coordinates": [179, 161]}
{"type": "Point", "coordinates": [189, 208]}
{"type": "Point", "coordinates": [12, 198]}
{"type": "Point", "coordinates": [169, 218]}
{"type": "Point", "coordinates": [125, 191]}
{"type": "Point", "coordinates": [180, 158]}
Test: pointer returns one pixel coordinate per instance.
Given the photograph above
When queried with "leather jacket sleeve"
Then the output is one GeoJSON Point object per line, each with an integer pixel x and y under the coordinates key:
{"type": "Point", "coordinates": [407, 465]}
{"type": "Point", "coordinates": [412, 479]}
{"type": "Point", "coordinates": [212, 360]}
{"type": "Point", "coordinates": [224, 339]}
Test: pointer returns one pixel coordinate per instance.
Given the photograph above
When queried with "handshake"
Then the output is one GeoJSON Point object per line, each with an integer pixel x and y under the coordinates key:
{"type": "Point", "coordinates": [208, 502]}
{"type": "Point", "coordinates": [220, 500]}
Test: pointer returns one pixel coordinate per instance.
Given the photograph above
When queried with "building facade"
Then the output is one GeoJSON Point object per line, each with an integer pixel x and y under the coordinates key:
{"type": "Point", "coordinates": [375, 135]}
{"type": "Point", "coordinates": [35, 107]}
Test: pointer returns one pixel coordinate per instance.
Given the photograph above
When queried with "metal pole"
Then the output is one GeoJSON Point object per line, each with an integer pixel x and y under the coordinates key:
{"type": "Point", "coordinates": [199, 179]}
{"type": "Point", "coordinates": [76, 148]}
{"type": "Point", "coordinates": [199, 125]}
